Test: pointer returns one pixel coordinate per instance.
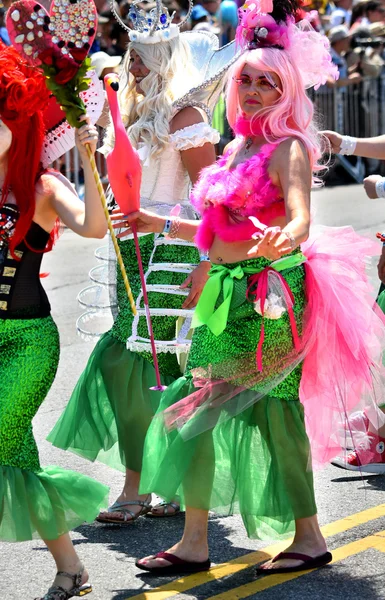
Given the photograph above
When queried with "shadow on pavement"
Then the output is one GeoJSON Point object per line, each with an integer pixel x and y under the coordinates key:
{"type": "Point", "coordinates": [373, 481]}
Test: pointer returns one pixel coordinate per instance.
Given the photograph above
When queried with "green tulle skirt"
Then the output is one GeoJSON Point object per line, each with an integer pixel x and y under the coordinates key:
{"type": "Point", "coordinates": [256, 462]}
{"type": "Point", "coordinates": [112, 406]}
{"type": "Point", "coordinates": [35, 501]}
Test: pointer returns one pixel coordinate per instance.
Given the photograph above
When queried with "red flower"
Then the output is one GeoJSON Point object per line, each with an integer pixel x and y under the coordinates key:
{"type": "Point", "coordinates": [65, 75]}
{"type": "Point", "coordinates": [47, 56]}
{"type": "Point", "coordinates": [79, 54]}
{"type": "Point", "coordinates": [67, 69]}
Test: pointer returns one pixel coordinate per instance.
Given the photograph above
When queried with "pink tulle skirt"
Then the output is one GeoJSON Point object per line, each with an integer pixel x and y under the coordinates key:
{"type": "Point", "coordinates": [341, 351]}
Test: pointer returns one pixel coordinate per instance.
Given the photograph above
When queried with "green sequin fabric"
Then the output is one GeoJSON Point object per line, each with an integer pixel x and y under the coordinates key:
{"type": "Point", "coordinates": [251, 456]}
{"type": "Point", "coordinates": [112, 405]}
{"type": "Point", "coordinates": [230, 354]}
{"type": "Point", "coordinates": [34, 501]}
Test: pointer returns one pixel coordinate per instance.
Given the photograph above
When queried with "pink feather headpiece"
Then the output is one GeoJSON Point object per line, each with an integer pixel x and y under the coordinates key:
{"type": "Point", "coordinates": [308, 49]}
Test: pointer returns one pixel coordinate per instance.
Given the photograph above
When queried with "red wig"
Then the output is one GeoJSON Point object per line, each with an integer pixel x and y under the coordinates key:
{"type": "Point", "coordinates": [23, 98]}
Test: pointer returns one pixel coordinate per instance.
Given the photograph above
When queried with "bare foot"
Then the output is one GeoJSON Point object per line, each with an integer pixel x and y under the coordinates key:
{"type": "Point", "coordinates": [312, 548]}
{"type": "Point", "coordinates": [189, 551]}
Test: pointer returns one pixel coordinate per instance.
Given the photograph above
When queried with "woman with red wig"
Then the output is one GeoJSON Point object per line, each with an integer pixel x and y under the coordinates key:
{"type": "Point", "coordinates": [36, 501]}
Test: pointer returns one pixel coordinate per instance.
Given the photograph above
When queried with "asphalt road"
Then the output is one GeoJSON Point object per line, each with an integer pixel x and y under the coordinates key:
{"type": "Point", "coordinates": [351, 507]}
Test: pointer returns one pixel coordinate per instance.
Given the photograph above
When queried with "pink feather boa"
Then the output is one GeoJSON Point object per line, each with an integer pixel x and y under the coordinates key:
{"type": "Point", "coordinates": [246, 190]}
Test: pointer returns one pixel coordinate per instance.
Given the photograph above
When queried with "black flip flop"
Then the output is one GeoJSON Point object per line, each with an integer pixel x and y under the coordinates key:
{"type": "Point", "coordinates": [309, 562]}
{"type": "Point", "coordinates": [178, 565]}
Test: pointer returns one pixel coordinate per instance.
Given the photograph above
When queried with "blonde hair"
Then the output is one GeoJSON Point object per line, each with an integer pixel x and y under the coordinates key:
{"type": "Point", "coordinates": [147, 117]}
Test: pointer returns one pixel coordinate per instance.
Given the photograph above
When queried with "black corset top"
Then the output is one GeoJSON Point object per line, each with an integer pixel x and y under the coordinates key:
{"type": "Point", "coordinates": [21, 294]}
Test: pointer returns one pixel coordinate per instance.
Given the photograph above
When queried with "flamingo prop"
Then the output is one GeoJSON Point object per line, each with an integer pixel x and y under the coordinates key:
{"type": "Point", "coordinates": [125, 175]}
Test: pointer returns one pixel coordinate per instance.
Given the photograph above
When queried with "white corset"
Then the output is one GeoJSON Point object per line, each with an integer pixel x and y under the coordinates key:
{"type": "Point", "coordinates": [165, 184]}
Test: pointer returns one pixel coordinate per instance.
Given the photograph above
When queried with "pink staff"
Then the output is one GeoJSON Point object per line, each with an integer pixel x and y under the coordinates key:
{"type": "Point", "coordinates": [125, 174]}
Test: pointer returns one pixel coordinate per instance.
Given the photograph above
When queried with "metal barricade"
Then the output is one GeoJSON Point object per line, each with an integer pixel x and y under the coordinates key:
{"type": "Point", "coordinates": [357, 110]}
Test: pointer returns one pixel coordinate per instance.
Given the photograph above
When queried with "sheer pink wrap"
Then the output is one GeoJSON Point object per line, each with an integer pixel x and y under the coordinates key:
{"type": "Point", "coordinates": [341, 349]}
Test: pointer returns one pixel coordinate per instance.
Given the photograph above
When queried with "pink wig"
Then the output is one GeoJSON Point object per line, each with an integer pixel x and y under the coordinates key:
{"type": "Point", "coordinates": [291, 115]}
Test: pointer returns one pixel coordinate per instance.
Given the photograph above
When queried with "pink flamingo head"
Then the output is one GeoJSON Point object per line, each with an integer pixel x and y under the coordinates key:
{"type": "Point", "coordinates": [123, 164]}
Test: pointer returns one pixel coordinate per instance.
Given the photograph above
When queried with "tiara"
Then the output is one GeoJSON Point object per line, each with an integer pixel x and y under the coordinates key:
{"type": "Point", "coordinates": [151, 27]}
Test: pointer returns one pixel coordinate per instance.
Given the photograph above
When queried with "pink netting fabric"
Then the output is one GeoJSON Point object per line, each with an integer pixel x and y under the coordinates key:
{"type": "Point", "coordinates": [345, 334]}
{"type": "Point", "coordinates": [341, 348]}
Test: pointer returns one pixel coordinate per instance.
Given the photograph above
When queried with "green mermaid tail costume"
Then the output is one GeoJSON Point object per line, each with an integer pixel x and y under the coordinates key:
{"type": "Point", "coordinates": [112, 406]}
{"type": "Point", "coordinates": [248, 456]}
{"type": "Point", "coordinates": [35, 501]}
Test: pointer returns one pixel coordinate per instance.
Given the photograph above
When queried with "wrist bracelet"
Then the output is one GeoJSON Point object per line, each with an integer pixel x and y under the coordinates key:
{"type": "Point", "coordinates": [175, 224]}
{"type": "Point", "coordinates": [348, 145]}
{"type": "Point", "coordinates": [167, 227]}
{"type": "Point", "coordinates": [204, 257]}
{"type": "Point", "coordinates": [380, 188]}
{"type": "Point", "coordinates": [291, 239]}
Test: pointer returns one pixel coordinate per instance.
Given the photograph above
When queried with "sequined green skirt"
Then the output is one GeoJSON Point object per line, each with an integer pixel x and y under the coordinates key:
{"type": "Point", "coordinates": [254, 459]}
{"type": "Point", "coordinates": [35, 501]}
{"type": "Point", "coordinates": [112, 406]}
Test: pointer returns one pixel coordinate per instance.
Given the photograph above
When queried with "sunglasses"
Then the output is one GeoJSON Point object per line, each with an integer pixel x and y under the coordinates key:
{"type": "Point", "coordinates": [264, 83]}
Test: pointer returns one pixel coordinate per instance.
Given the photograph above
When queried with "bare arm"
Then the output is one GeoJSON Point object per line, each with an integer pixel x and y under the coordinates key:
{"type": "Point", "coordinates": [87, 219]}
{"type": "Point", "coordinates": [295, 178]}
{"type": "Point", "coordinates": [367, 147]}
{"type": "Point", "coordinates": [194, 159]}
{"type": "Point", "coordinates": [148, 222]}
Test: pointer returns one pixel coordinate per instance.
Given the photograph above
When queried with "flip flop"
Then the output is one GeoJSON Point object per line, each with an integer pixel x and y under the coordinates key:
{"type": "Point", "coordinates": [178, 565]}
{"type": "Point", "coordinates": [309, 562]}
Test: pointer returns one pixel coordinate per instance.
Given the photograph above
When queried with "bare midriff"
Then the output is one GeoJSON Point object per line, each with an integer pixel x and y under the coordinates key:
{"type": "Point", "coordinates": [223, 252]}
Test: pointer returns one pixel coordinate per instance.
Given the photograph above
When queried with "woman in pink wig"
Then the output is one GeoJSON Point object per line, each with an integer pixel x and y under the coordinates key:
{"type": "Point", "coordinates": [274, 344]}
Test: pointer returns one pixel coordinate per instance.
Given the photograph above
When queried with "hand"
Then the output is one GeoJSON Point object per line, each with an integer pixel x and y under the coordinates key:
{"type": "Point", "coordinates": [335, 140]}
{"type": "Point", "coordinates": [197, 280]}
{"type": "Point", "coordinates": [273, 244]}
{"type": "Point", "coordinates": [370, 185]}
{"type": "Point", "coordinates": [87, 134]}
{"type": "Point", "coordinates": [381, 266]}
{"type": "Point", "coordinates": [355, 78]}
{"type": "Point", "coordinates": [145, 221]}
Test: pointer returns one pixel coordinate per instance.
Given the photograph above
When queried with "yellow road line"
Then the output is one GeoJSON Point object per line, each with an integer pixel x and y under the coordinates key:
{"type": "Point", "coordinates": [248, 560]}
{"type": "Point", "coordinates": [376, 541]}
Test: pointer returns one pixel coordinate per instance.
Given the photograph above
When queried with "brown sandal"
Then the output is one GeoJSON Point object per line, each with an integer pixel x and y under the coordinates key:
{"type": "Point", "coordinates": [129, 516]}
{"type": "Point", "coordinates": [57, 592]}
{"type": "Point", "coordinates": [165, 505]}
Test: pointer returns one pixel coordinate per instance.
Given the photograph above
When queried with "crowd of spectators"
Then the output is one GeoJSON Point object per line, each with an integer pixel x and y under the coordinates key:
{"type": "Point", "coordinates": [356, 29]}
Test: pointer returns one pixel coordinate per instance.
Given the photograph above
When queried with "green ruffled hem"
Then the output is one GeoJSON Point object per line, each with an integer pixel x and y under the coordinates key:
{"type": "Point", "coordinates": [256, 463]}
{"type": "Point", "coordinates": [46, 504]}
{"type": "Point", "coordinates": [111, 407]}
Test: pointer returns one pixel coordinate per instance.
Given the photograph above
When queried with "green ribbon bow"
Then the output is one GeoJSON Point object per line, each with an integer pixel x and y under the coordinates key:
{"type": "Point", "coordinates": [221, 278]}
